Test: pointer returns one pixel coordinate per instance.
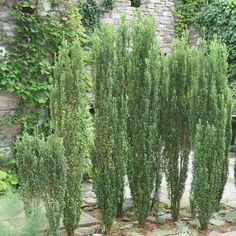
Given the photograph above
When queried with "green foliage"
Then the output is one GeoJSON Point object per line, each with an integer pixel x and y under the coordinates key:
{"type": "Point", "coordinates": [177, 120]}
{"type": "Point", "coordinates": [143, 105]}
{"type": "Point", "coordinates": [230, 216]}
{"type": "Point", "coordinates": [107, 5]}
{"type": "Point", "coordinates": [42, 174]}
{"type": "Point", "coordinates": [27, 156]}
{"type": "Point", "coordinates": [7, 180]}
{"type": "Point", "coordinates": [135, 3]}
{"type": "Point", "coordinates": [90, 13]}
{"type": "Point", "coordinates": [53, 169]}
{"type": "Point", "coordinates": [185, 12]}
{"type": "Point", "coordinates": [212, 100]}
{"type": "Point", "coordinates": [104, 169]}
{"type": "Point", "coordinates": [219, 18]}
{"type": "Point", "coordinates": [71, 121]}
{"type": "Point", "coordinates": [8, 176]}
{"type": "Point", "coordinates": [27, 68]}
{"type": "Point", "coordinates": [120, 79]}
{"type": "Point", "coordinates": [10, 222]}
{"type": "Point", "coordinates": [111, 65]}
{"type": "Point", "coordinates": [235, 171]}
{"type": "Point", "coordinates": [205, 172]}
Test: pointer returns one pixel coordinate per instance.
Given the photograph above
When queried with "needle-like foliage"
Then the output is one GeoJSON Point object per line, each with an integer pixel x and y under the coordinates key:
{"type": "Point", "coordinates": [143, 115]}
{"type": "Point", "coordinates": [212, 141]}
{"type": "Point", "coordinates": [177, 121]}
{"type": "Point", "coordinates": [71, 121]}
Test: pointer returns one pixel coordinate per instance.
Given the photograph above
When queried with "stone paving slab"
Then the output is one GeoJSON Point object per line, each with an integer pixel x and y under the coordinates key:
{"type": "Point", "coordinates": [88, 220]}
{"type": "Point", "coordinates": [229, 196]}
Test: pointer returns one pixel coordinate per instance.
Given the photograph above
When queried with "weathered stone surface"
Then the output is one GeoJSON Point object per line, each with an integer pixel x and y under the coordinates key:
{"type": "Point", "coordinates": [87, 220]}
{"type": "Point", "coordinates": [214, 233]}
{"type": "Point", "coordinates": [128, 226]}
{"type": "Point", "coordinates": [217, 222]}
{"type": "Point", "coordinates": [86, 231]}
{"type": "Point", "coordinates": [193, 232]}
{"type": "Point", "coordinates": [125, 218]}
{"type": "Point", "coordinates": [132, 234]}
{"type": "Point", "coordinates": [9, 101]}
{"type": "Point", "coordinates": [195, 222]}
{"type": "Point", "coordinates": [162, 219]}
{"type": "Point", "coordinates": [159, 232]}
{"type": "Point", "coordinates": [152, 219]}
{"type": "Point", "coordinates": [6, 152]}
{"type": "Point", "coordinates": [161, 10]}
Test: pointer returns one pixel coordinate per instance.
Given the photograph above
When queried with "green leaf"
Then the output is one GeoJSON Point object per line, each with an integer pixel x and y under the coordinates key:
{"type": "Point", "coordinates": [3, 175]}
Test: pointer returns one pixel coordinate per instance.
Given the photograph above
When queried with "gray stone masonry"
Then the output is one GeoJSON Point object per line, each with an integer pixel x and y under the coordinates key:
{"type": "Point", "coordinates": [161, 10]}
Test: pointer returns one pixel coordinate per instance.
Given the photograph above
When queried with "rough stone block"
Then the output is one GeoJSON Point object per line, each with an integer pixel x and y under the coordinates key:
{"type": "Point", "coordinates": [9, 101]}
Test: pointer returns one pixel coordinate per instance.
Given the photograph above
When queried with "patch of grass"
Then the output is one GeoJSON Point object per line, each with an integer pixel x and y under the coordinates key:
{"type": "Point", "coordinates": [116, 227]}
{"type": "Point", "coordinates": [222, 206]}
{"type": "Point", "coordinates": [134, 229]}
{"type": "Point", "coordinates": [166, 227]}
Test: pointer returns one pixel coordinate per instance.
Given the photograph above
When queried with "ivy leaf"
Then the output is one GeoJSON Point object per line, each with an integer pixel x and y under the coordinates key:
{"type": "Point", "coordinates": [42, 100]}
{"type": "Point", "coordinates": [3, 175]}
{"type": "Point", "coordinates": [3, 186]}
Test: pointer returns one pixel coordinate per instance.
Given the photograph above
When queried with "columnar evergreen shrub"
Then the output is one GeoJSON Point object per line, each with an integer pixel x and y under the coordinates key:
{"type": "Point", "coordinates": [10, 209]}
{"type": "Point", "coordinates": [121, 110]}
{"type": "Point", "coordinates": [204, 164]}
{"type": "Point", "coordinates": [143, 113]}
{"type": "Point", "coordinates": [42, 171]}
{"type": "Point", "coordinates": [28, 171]}
{"type": "Point", "coordinates": [53, 173]}
{"type": "Point", "coordinates": [177, 122]}
{"type": "Point", "coordinates": [211, 150]}
{"type": "Point", "coordinates": [71, 122]}
{"type": "Point", "coordinates": [104, 169]}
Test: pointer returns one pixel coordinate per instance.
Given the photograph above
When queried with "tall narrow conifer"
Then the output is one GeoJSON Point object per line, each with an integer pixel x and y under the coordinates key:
{"type": "Point", "coordinates": [104, 158]}
{"type": "Point", "coordinates": [177, 122]}
{"type": "Point", "coordinates": [143, 113]}
{"type": "Point", "coordinates": [211, 149]}
{"type": "Point", "coordinates": [71, 122]}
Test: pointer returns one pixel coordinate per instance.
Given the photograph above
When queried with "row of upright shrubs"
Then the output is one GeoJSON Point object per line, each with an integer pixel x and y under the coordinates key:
{"type": "Point", "coordinates": [152, 111]}
{"type": "Point", "coordinates": [51, 169]}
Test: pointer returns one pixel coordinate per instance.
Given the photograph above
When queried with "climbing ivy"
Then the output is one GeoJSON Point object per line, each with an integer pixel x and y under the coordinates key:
{"type": "Point", "coordinates": [219, 18]}
{"type": "Point", "coordinates": [90, 12]}
{"type": "Point", "coordinates": [185, 12]}
{"type": "Point", "coordinates": [27, 68]}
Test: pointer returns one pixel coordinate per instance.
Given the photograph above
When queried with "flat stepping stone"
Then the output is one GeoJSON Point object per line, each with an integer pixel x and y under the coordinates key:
{"type": "Point", "coordinates": [132, 234]}
{"type": "Point", "coordinates": [162, 233]}
{"type": "Point", "coordinates": [87, 220]}
{"type": "Point", "coordinates": [125, 219]}
{"type": "Point", "coordinates": [193, 232]}
{"type": "Point", "coordinates": [232, 233]}
{"type": "Point", "coordinates": [217, 223]}
{"type": "Point", "coordinates": [85, 231]}
{"type": "Point", "coordinates": [128, 226]}
{"type": "Point", "coordinates": [195, 222]}
{"type": "Point", "coordinates": [162, 219]}
{"type": "Point", "coordinates": [213, 233]}
{"type": "Point", "coordinates": [152, 219]}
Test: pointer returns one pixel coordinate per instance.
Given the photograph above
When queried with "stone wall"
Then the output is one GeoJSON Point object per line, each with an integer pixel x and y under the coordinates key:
{"type": "Point", "coordinates": [9, 105]}
{"type": "Point", "coordinates": [161, 10]}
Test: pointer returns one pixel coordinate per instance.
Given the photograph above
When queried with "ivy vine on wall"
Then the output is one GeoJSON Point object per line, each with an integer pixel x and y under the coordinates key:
{"type": "Point", "coordinates": [185, 12]}
{"type": "Point", "coordinates": [27, 68]}
{"type": "Point", "coordinates": [219, 19]}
